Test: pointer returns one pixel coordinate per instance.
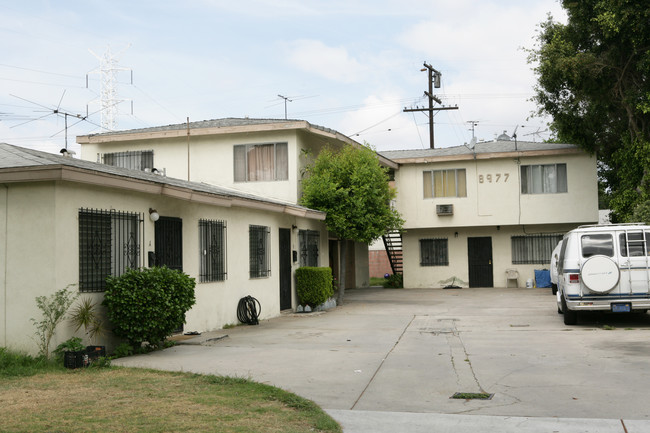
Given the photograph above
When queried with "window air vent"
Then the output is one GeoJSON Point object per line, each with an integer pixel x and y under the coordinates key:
{"type": "Point", "coordinates": [445, 209]}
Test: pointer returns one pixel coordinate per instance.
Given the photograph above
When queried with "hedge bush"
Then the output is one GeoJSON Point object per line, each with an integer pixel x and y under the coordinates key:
{"type": "Point", "coordinates": [395, 281]}
{"type": "Point", "coordinates": [148, 304]}
{"type": "Point", "coordinates": [314, 285]}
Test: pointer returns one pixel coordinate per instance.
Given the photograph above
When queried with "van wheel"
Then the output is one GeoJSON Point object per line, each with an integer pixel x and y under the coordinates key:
{"type": "Point", "coordinates": [570, 316]}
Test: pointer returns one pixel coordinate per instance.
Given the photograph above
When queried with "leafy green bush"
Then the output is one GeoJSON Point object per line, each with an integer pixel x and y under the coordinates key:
{"type": "Point", "coordinates": [124, 349]}
{"type": "Point", "coordinates": [71, 345]}
{"type": "Point", "coordinates": [314, 285]}
{"type": "Point", "coordinates": [148, 304]}
{"type": "Point", "coordinates": [395, 281]}
{"type": "Point", "coordinates": [53, 308]}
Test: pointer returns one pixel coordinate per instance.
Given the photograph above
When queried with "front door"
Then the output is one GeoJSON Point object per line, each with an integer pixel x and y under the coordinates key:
{"type": "Point", "coordinates": [169, 242]}
{"type": "Point", "coordinates": [285, 269]}
{"type": "Point", "coordinates": [479, 257]}
{"type": "Point", "coordinates": [168, 234]}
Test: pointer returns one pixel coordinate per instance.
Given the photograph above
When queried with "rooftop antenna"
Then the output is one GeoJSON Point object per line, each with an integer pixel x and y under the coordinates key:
{"type": "Point", "coordinates": [286, 98]}
{"type": "Point", "coordinates": [435, 77]}
{"type": "Point", "coordinates": [108, 99]}
{"type": "Point", "coordinates": [537, 133]}
{"type": "Point", "coordinates": [514, 135]}
{"type": "Point", "coordinates": [473, 124]}
{"type": "Point", "coordinates": [57, 112]}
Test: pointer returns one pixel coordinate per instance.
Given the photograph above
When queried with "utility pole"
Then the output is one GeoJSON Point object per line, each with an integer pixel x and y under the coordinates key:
{"type": "Point", "coordinates": [434, 81]}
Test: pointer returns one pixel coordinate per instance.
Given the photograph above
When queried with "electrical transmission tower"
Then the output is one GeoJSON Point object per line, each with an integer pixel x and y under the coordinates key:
{"type": "Point", "coordinates": [434, 81]}
{"type": "Point", "coordinates": [108, 98]}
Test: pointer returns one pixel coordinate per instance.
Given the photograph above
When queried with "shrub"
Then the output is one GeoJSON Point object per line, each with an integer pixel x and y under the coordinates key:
{"type": "Point", "coordinates": [53, 309]}
{"type": "Point", "coordinates": [148, 304]}
{"type": "Point", "coordinates": [395, 281]}
{"type": "Point", "coordinates": [71, 345]}
{"type": "Point", "coordinates": [314, 285]}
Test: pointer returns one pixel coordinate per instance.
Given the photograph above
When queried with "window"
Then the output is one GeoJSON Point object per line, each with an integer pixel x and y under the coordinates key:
{"type": "Point", "coordinates": [212, 250]}
{"type": "Point", "coordinates": [309, 240]}
{"type": "Point", "coordinates": [445, 183]}
{"type": "Point", "coordinates": [109, 244]}
{"type": "Point", "coordinates": [636, 243]}
{"type": "Point", "coordinates": [259, 251]}
{"type": "Point", "coordinates": [136, 160]}
{"type": "Point", "coordinates": [534, 249]}
{"type": "Point", "coordinates": [597, 243]}
{"type": "Point", "coordinates": [543, 179]}
{"type": "Point", "coordinates": [261, 162]}
{"type": "Point", "coordinates": [434, 252]}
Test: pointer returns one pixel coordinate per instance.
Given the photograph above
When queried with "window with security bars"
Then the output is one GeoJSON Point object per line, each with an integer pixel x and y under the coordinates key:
{"type": "Point", "coordinates": [259, 251]}
{"type": "Point", "coordinates": [534, 249]}
{"type": "Point", "coordinates": [109, 244]}
{"type": "Point", "coordinates": [308, 243]}
{"type": "Point", "coordinates": [434, 252]}
{"type": "Point", "coordinates": [136, 160]}
{"type": "Point", "coordinates": [212, 250]}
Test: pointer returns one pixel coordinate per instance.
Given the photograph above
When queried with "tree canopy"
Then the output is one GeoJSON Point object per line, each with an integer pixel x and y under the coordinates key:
{"type": "Point", "coordinates": [352, 187]}
{"type": "Point", "coordinates": [593, 80]}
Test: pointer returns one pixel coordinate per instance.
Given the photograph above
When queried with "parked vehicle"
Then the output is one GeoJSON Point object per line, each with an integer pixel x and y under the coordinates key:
{"type": "Point", "coordinates": [606, 268]}
{"type": "Point", "coordinates": [553, 268]}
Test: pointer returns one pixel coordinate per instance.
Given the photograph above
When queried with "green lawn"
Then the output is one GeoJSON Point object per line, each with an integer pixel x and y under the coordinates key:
{"type": "Point", "coordinates": [46, 398]}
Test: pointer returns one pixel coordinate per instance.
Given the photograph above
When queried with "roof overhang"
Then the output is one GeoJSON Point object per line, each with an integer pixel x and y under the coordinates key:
{"type": "Point", "coordinates": [54, 173]}
{"type": "Point", "coordinates": [488, 155]}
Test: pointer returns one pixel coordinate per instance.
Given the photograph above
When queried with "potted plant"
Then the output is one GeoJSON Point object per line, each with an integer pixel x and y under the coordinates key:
{"type": "Point", "coordinates": [85, 315]}
{"type": "Point", "coordinates": [73, 353]}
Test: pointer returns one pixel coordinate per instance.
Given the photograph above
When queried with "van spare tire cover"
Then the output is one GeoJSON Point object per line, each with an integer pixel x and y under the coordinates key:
{"type": "Point", "coordinates": [600, 274]}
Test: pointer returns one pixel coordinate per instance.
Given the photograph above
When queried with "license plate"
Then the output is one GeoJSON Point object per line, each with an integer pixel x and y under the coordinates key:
{"type": "Point", "coordinates": [621, 308]}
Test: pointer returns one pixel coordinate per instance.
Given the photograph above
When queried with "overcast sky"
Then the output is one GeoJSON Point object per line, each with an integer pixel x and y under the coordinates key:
{"type": "Point", "coordinates": [349, 65]}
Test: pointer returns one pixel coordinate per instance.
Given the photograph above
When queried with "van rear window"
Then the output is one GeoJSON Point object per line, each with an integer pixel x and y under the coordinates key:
{"type": "Point", "coordinates": [634, 243]}
{"type": "Point", "coordinates": [597, 244]}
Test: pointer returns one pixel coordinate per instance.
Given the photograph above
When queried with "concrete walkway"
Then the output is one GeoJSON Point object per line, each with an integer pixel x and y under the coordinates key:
{"type": "Point", "coordinates": [389, 361]}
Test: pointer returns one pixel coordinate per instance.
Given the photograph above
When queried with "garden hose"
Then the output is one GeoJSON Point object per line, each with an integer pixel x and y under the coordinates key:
{"type": "Point", "coordinates": [249, 310]}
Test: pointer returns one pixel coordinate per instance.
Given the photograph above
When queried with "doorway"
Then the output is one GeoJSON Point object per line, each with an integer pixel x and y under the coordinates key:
{"type": "Point", "coordinates": [479, 258]}
{"type": "Point", "coordinates": [285, 269]}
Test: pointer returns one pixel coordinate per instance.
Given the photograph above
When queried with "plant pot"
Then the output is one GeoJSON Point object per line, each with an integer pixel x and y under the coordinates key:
{"type": "Point", "coordinates": [75, 359]}
{"type": "Point", "coordinates": [95, 352]}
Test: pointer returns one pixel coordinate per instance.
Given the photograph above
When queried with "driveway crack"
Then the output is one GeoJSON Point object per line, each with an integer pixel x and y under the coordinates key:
{"type": "Point", "coordinates": [382, 362]}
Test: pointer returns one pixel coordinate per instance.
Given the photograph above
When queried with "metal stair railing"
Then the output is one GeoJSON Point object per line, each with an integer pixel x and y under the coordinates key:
{"type": "Point", "coordinates": [393, 245]}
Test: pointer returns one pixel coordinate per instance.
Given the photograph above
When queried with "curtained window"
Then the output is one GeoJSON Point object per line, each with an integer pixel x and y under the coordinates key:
{"type": "Point", "coordinates": [261, 162]}
{"type": "Point", "coordinates": [543, 179]}
{"type": "Point", "coordinates": [445, 183]}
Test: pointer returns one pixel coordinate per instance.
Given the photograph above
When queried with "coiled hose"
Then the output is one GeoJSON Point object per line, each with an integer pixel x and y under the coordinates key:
{"type": "Point", "coordinates": [249, 310]}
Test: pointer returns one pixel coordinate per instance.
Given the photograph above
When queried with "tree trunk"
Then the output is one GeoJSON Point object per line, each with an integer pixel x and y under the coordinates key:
{"type": "Point", "coordinates": [342, 260]}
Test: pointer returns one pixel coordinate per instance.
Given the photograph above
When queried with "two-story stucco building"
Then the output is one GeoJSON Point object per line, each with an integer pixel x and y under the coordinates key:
{"type": "Point", "coordinates": [473, 213]}
{"type": "Point", "coordinates": [264, 157]}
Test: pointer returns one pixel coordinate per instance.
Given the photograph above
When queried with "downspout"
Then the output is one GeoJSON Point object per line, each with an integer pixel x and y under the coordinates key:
{"type": "Point", "coordinates": [4, 284]}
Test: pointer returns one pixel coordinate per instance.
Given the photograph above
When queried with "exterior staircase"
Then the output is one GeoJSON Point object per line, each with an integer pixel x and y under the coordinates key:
{"type": "Point", "coordinates": [393, 244]}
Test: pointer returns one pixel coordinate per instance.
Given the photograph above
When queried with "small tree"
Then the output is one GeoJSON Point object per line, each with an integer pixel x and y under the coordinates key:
{"type": "Point", "coordinates": [352, 188]}
{"type": "Point", "coordinates": [54, 309]}
{"type": "Point", "coordinates": [148, 304]}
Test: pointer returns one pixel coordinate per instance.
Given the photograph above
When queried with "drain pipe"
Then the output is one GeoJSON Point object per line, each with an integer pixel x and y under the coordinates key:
{"type": "Point", "coordinates": [4, 265]}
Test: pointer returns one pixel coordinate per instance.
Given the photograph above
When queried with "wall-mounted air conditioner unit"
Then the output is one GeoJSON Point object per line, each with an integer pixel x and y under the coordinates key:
{"type": "Point", "coordinates": [445, 209]}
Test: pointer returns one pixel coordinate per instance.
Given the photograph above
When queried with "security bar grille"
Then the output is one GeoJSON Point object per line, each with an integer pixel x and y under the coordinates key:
{"type": "Point", "coordinates": [136, 160]}
{"type": "Point", "coordinates": [534, 249]}
{"type": "Point", "coordinates": [259, 251]}
{"type": "Point", "coordinates": [109, 244]}
{"type": "Point", "coordinates": [212, 250]}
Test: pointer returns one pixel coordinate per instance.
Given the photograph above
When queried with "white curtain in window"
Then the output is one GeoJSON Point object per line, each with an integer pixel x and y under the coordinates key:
{"type": "Point", "coordinates": [261, 162]}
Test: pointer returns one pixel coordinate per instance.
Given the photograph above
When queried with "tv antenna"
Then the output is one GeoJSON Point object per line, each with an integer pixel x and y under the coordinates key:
{"type": "Point", "coordinates": [286, 98]}
{"type": "Point", "coordinates": [56, 112]}
{"type": "Point", "coordinates": [472, 124]}
{"type": "Point", "coordinates": [435, 77]}
{"type": "Point", "coordinates": [537, 133]}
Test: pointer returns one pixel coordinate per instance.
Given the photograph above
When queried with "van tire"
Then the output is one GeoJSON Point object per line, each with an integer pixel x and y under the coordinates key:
{"type": "Point", "coordinates": [570, 316]}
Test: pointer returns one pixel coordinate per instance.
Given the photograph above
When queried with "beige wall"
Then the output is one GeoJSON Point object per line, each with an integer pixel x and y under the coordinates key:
{"type": "Point", "coordinates": [211, 158]}
{"type": "Point", "coordinates": [39, 253]}
{"type": "Point", "coordinates": [416, 276]}
{"type": "Point", "coordinates": [499, 202]}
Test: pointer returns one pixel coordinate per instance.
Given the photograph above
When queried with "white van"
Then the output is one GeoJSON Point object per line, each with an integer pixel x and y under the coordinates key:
{"type": "Point", "coordinates": [604, 267]}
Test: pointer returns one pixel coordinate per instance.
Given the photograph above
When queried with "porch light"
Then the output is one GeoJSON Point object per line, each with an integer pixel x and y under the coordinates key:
{"type": "Point", "coordinates": [153, 215]}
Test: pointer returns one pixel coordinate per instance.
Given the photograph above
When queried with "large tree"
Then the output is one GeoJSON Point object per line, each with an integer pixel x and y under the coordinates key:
{"type": "Point", "coordinates": [352, 187]}
{"type": "Point", "coordinates": [594, 81]}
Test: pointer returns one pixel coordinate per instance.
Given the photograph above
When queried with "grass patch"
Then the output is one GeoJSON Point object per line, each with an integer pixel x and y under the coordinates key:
{"type": "Point", "coordinates": [472, 396]}
{"type": "Point", "coordinates": [375, 281]}
{"type": "Point", "coordinates": [54, 399]}
{"type": "Point", "coordinates": [609, 327]}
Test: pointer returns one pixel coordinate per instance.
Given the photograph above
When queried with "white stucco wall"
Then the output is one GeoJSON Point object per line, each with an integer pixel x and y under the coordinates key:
{"type": "Point", "coordinates": [498, 201]}
{"type": "Point", "coordinates": [40, 252]}
{"type": "Point", "coordinates": [417, 276]}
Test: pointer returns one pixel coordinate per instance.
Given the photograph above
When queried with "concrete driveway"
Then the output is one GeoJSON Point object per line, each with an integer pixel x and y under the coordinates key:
{"type": "Point", "coordinates": [389, 361]}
